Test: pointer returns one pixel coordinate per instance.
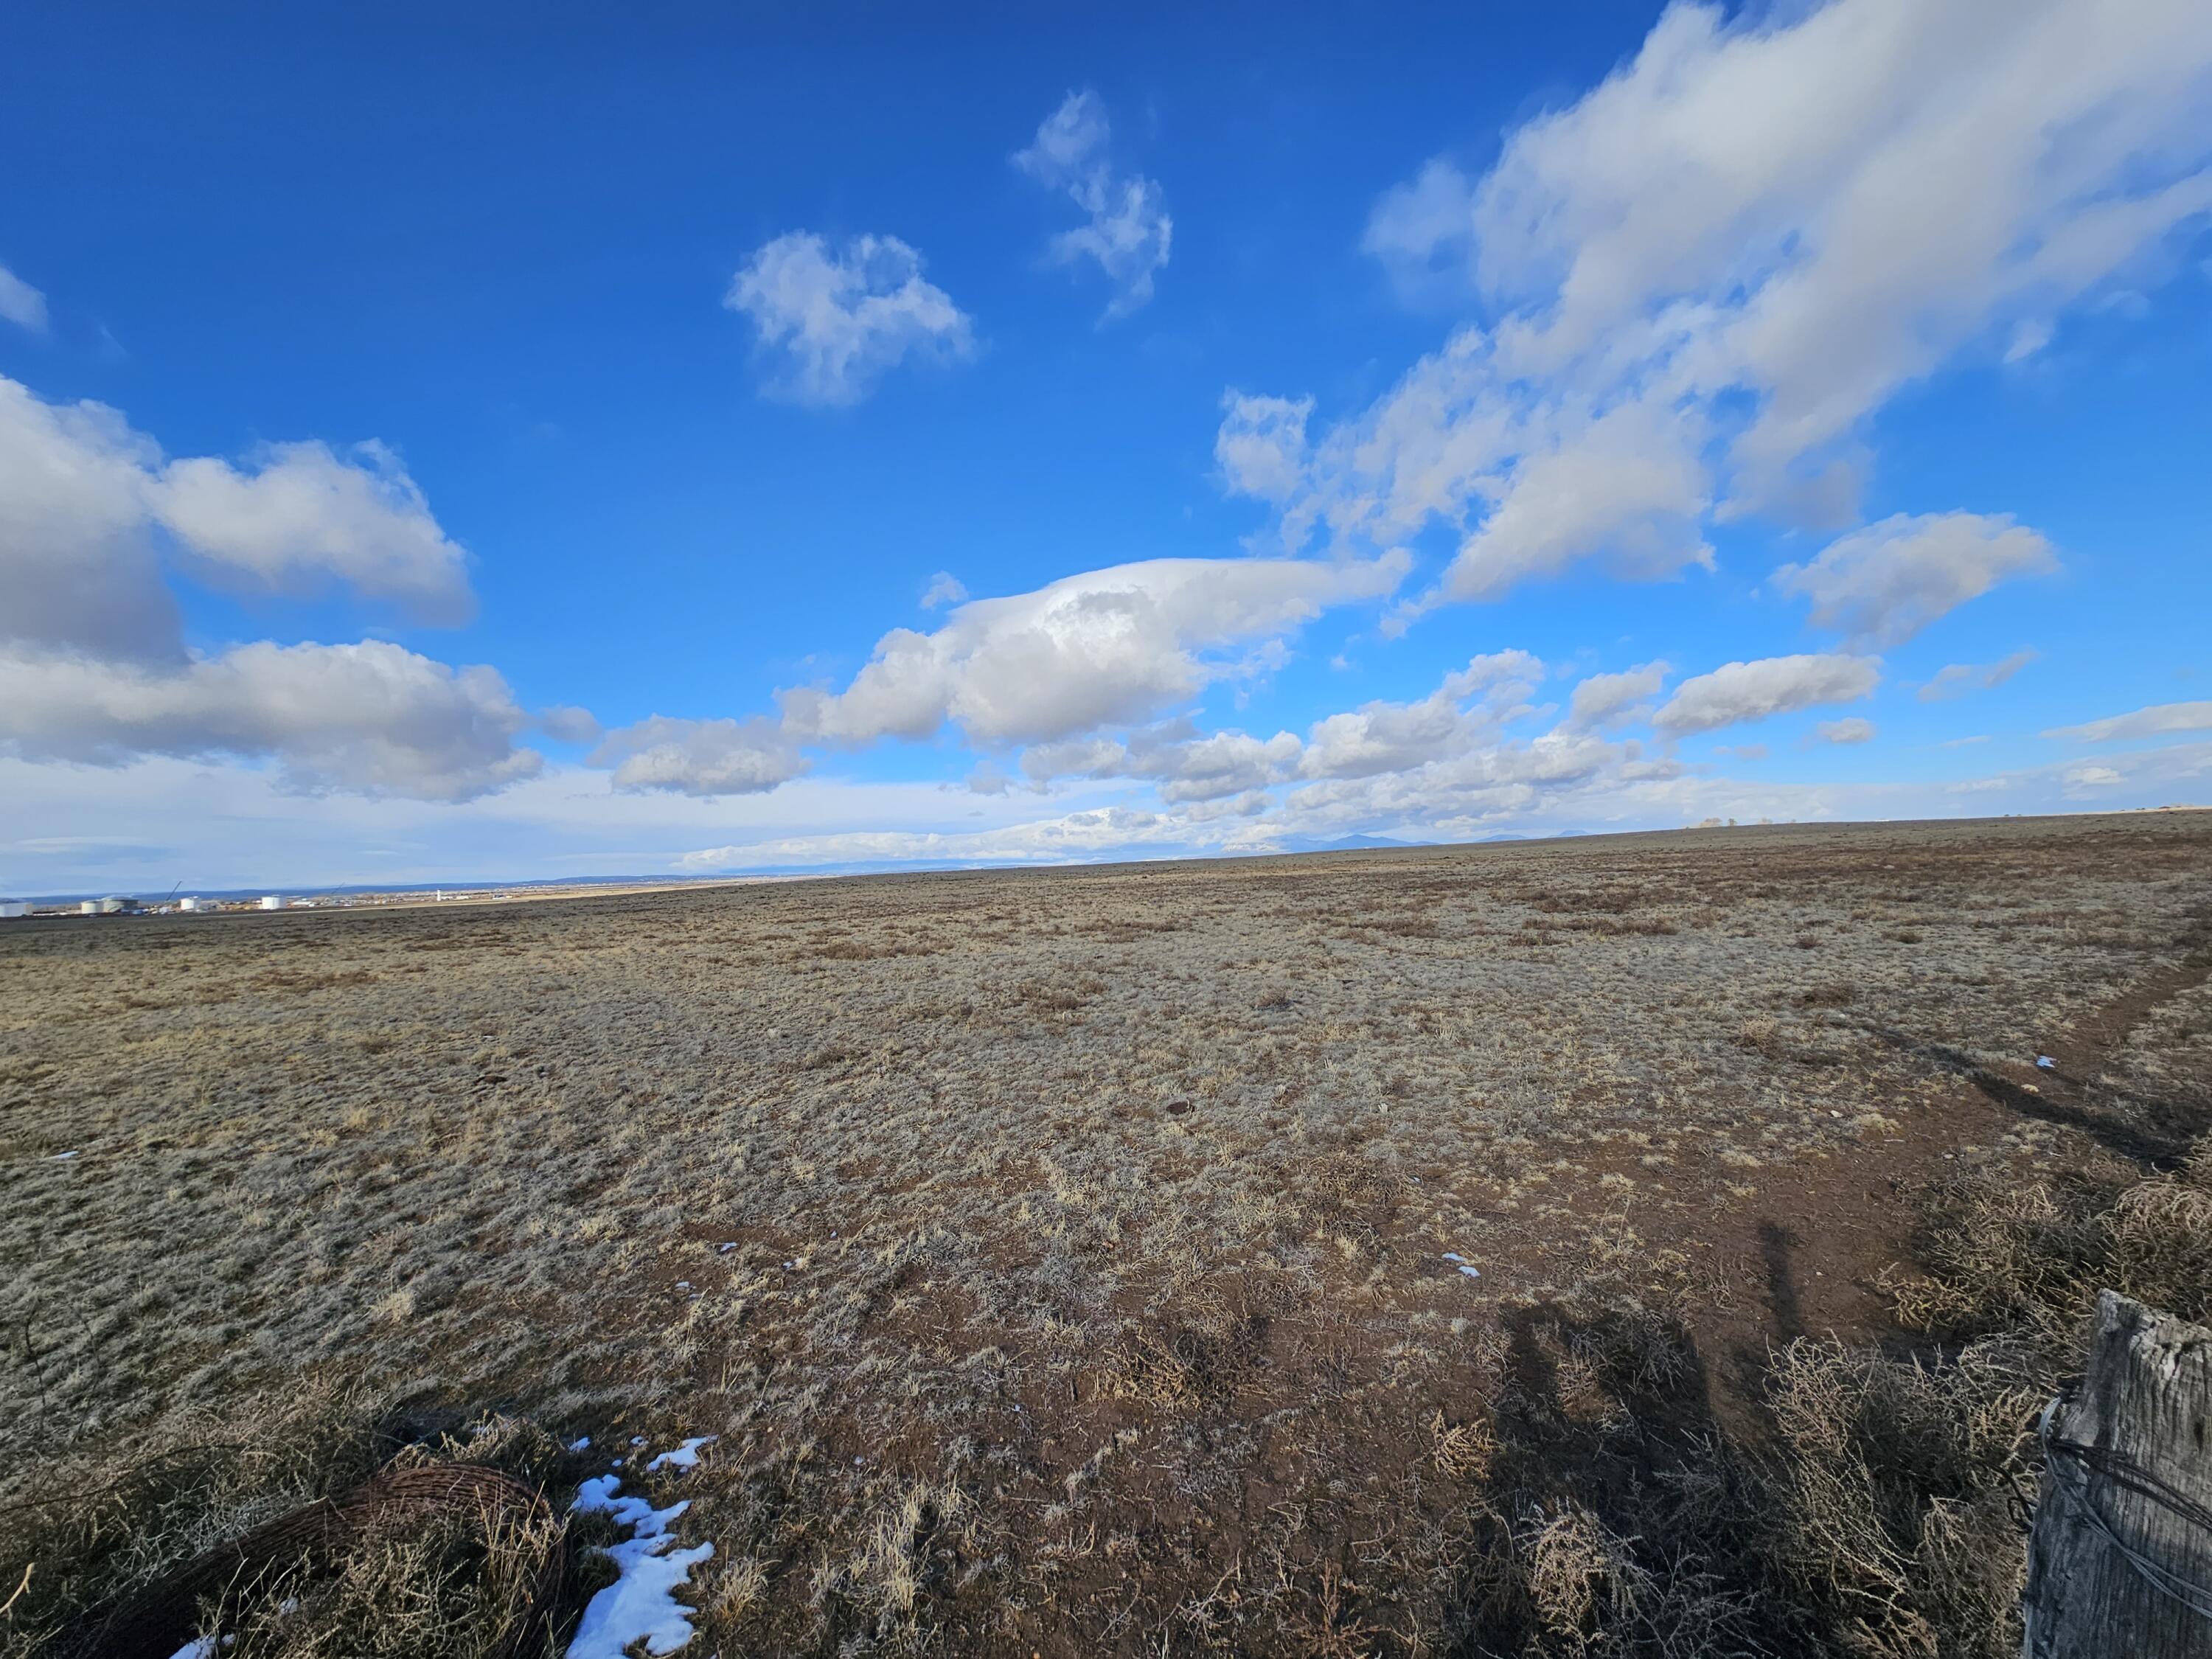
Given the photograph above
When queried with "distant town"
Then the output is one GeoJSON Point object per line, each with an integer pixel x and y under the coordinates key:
{"type": "Point", "coordinates": [123, 904]}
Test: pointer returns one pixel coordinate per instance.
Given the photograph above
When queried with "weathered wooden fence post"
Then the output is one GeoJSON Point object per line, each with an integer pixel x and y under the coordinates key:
{"type": "Point", "coordinates": [2119, 1564]}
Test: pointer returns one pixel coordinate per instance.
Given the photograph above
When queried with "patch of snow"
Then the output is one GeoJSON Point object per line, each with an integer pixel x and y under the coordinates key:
{"type": "Point", "coordinates": [63, 1157]}
{"type": "Point", "coordinates": [2047, 1062]}
{"type": "Point", "coordinates": [1459, 1262]}
{"type": "Point", "coordinates": [581, 1443]}
{"type": "Point", "coordinates": [641, 1605]}
{"type": "Point", "coordinates": [200, 1647]}
{"type": "Point", "coordinates": [685, 1455]}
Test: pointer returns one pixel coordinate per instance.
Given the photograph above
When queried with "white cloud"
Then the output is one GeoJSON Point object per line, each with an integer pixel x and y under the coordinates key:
{"type": "Point", "coordinates": [1605, 699]}
{"type": "Point", "coordinates": [1073, 836]}
{"type": "Point", "coordinates": [1740, 692]}
{"type": "Point", "coordinates": [1853, 730]}
{"type": "Point", "coordinates": [565, 723]}
{"type": "Point", "coordinates": [1129, 231]}
{"type": "Point", "coordinates": [370, 718]}
{"type": "Point", "coordinates": [2156, 720]}
{"type": "Point", "coordinates": [22, 304]}
{"type": "Point", "coordinates": [1106, 647]}
{"type": "Point", "coordinates": [1261, 447]}
{"type": "Point", "coordinates": [699, 757]}
{"type": "Point", "coordinates": [83, 498]}
{"type": "Point", "coordinates": [1209, 767]}
{"type": "Point", "coordinates": [1957, 679]}
{"type": "Point", "coordinates": [836, 320]}
{"type": "Point", "coordinates": [78, 565]}
{"type": "Point", "coordinates": [945, 588]}
{"type": "Point", "coordinates": [1624, 488]}
{"type": "Point", "coordinates": [1381, 737]}
{"type": "Point", "coordinates": [1882, 584]}
{"type": "Point", "coordinates": [1183, 766]}
{"type": "Point", "coordinates": [1700, 287]}
{"type": "Point", "coordinates": [302, 515]}
{"type": "Point", "coordinates": [1422, 232]}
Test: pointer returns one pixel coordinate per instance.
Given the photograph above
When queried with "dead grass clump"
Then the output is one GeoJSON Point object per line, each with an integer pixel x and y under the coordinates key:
{"type": "Point", "coordinates": [454, 1586]}
{"type": "Point", "coordinates": [93, 1525]}
{"type": "Point", "coordinates": [456, 1581]}
{"type": "Point", "coordinates": [921, 1541]}
{"type": "Point", "coordinates": [1346, 1197]}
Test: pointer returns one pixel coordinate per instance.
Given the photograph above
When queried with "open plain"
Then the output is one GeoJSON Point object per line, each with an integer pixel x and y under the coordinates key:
{"type": "Point", "coordinates": [1340, 1253]}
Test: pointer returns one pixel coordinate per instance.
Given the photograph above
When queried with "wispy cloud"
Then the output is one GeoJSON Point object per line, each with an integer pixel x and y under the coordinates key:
{"type": "Point", "coordinates": [22, 304]}
{"type": "Point", "coordinates": [1129, 232]}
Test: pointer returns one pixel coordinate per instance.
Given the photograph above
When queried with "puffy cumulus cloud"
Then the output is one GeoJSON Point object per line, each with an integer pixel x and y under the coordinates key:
{"type": "Point", "coordinates": [1607, 699]}
{"type": "Point", "coordinates": [1393, 737]}
{"type": "Point", "coordinates": [1882, 584]}
{"type": "Point", "coordinates": [370, 718]}
{"type": "Point", "coordinates": [1852, 730]}
{"type": "Point", "coordinates": [700, 757]}
{"type": "Point", "coordinates": [1210, 768]}
{"type": "Point", "coordinates": [2158, 720]}
{"type": "Point", "coordinates": [565, 723]}
{"type": "Point", "coordinates": [300, 515]}
{"type": "Point", "coordinates": [835, 321]}
{"type": "Point", "coordinates": [22, 304]}
{"type": "Point", "coordinates": [78, 564]}
{"type": "Point", "coordinates": [1490, 783]}
{"type": "Point", "coordinates": [1129, 232]}
{"type": "Point", "coordinates": [85, 502]}
{"type": "Point", "coordinates": [1958, 679]}
{"type": "Point", "coordinates": [1738, 691]}
{"type": "Point", "coordinates": [1107, 647]}
{"type": "Point", "coordinates": [1183, 765]}
{"type": "Point", "coordinates": [1467, 709]}
{"type": "Point", "coordinates": [93, 662]}
{"type": "Point", "coordinates": [1699, 292]}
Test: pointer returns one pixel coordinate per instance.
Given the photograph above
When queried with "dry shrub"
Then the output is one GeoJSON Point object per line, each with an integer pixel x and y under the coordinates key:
{"type": "Point", "coordinates": [2006, 1254]}
{"type": "Point", "coordinates": [1894, 1493]}
{"type": "Point", "coordinates": [1563, 1582]}
{"type": "Point", "coordinates": [1462, 1451]}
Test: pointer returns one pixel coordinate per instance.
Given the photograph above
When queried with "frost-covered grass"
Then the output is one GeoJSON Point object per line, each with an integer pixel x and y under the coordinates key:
{"type": "Point", "coordinates": [1026, 1238]}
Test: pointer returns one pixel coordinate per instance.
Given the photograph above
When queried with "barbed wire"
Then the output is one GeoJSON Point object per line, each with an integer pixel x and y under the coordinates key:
{"type": "Point", "coordinates": [2072, 1467]}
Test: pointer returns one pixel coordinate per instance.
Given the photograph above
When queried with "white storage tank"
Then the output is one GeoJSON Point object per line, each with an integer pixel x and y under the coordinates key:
{"type": "Point", "coordinates": [10, 907]}
{"type": "Point", "coordinates": [273, 902]}
{"type": "Point", "coordinates": [87, 906]}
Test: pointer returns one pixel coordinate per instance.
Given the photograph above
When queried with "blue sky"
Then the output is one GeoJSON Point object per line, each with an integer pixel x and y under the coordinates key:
{"type": "Point", "coordinates": [547, 443]}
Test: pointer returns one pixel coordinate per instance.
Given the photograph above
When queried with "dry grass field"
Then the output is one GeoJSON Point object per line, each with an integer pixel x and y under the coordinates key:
{"type": "Point", "coordinates": [1069, 1262]}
